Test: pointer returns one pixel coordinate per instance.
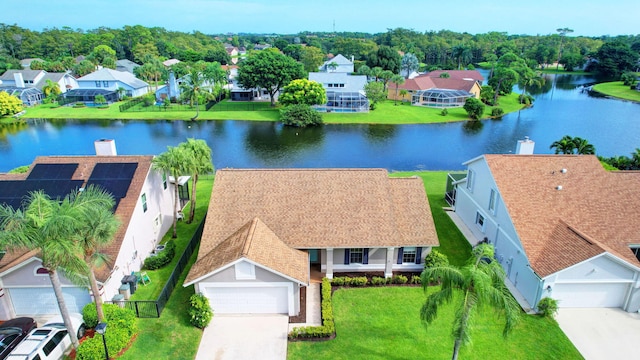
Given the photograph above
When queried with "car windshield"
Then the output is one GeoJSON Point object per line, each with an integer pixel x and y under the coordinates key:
{"type": "Point", "coordinates": [9, 330]}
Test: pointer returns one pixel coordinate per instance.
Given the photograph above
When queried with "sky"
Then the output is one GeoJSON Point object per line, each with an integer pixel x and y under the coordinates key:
{"type": "Point", "coordinates": [541, 17]}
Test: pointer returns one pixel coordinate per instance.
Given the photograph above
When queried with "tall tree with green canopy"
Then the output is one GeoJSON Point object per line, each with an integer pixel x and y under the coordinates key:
{"type": "Point", "coordinates": [477, 286]}
{"type": "Point", "coordinates": [409, 64]}
{"type": "Point", "coordinates": [386, 58]}
{"type": "Point", "coordinates": [270, 70]}
{"type": "Point", "coordinates": [193, 89]}
{"type": "Point", "coordinates": [374, 91]}
{"type": "Point", "coordinates": [303, 91]}
{"type": "Point", "coordinates": [98, 228]}
{"type": "Point", "coordinates": [172, 162]}
{"type": "Point", "coordinates": [562, 32]}
{"type": "Point", "coordinates": [50, 226]}
{"type": "Point", "coordinates": [199, 161]}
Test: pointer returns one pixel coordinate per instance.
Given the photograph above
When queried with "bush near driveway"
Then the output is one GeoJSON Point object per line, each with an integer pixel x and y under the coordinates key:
{"type": "Point", "coordinates": [122, 325]}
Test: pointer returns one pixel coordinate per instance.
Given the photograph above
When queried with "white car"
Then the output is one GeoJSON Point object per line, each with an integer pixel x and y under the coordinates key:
{"type": "Point", "coordinates": [48, 342]}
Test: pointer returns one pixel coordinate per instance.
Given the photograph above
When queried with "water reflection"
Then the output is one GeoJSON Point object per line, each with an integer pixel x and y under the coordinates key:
{"type": "Point", "coordinates": [472, 127]}
{"type": "Point", "coordinates": [271, 141]}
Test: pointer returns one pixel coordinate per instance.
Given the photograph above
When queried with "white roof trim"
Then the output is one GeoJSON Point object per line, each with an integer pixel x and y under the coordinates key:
{"type": "Point", "coordinates": [473, 160]}
{"type": "Point", "coordinates": [181, 180]}
{"type": "Point", "coordinates": [20, 265]}
{"type": "Point", "coordinates": [616, 259]}
{"type": "Point", "coordinates": [240, 260]}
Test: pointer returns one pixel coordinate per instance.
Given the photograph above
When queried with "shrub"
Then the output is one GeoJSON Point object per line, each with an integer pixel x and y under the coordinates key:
{"type": "Point", "coordinates": [497, 112]}
{"type": "Point", "coordinates": [200, 311]}
{"type": "Point", "coordinates": [629, 78]}
{"type": "Point", "coordinates": [471, 67]}
{"type": "Point", "coordinates": [377, 280]}
{"type": "Point", "coordinates": [79, 105]}
{"type": "Point", "coordinates": [358, 281]}
{"type": "Point", "coordinates": [149, 100]}
{"type": "Point", "coordinates": [435, 258]}
{"type": "Point", "coordinates": [525, 99]}
{"type": "Point", "coordinates": [328, 327]}
{"type": "Point", "coordinates": [548, 307]}
{"type": "Point", "coordinates": [337, 281]}
{"type": "Point", "coordinates": [399, 279]}
{"type": "Point", "coordinates": [122, 324]}
{"type": "Point", "coordinates": [163, 258]}
{"type": "Point", "coordinates": [300, 116]}
{"type": "Point", "coordinates": [474, 107]}
{"type": "Point", "coordinates": [444, 112]}
{"type": "Point", "coordinates": [415, 279]}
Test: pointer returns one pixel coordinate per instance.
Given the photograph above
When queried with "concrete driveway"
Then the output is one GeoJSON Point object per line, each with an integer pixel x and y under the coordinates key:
{"type": "Point", "coordinates": [602, 333]}
{"type": "Point", "coordinates": [240, 337]}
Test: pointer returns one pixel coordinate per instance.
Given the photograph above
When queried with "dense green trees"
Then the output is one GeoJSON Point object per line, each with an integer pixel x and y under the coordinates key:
{"type": "Point", "coordinates": [300, 115]}
{"type": "Point", "coordinates": [303, 91]}
{"type": "Point", "coordinates": [270, 70]}
{"type": "Point", "coordinates": [616, 57]}
{"type": "Point", "coordinates": [375, 93]}
{"type": "Point", "coordinates": [474, 107]}
{"type": "Point", "coordinates": [9, 104]}
{"type": "Point", "coordinates": [386, 58]}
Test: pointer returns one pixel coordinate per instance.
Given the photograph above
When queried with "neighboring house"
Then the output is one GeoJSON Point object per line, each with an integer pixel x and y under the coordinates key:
{"type": "Point", "coordinates": [110, 81]}
{"type": "Point", "coordinates": [27, 84]}
{"type": "Point", "coordinates": [266, 229]}
{"type": "Point", "coordinates": [261, 46]}
{"type": "Point", "coordinates": [459, 75]}
{"type": "Point", "coordinates": [345, 92]}
{"type": "Point", "coordinates": [144, 200]}
{"type": "Point", "coordinates": [562, 226]}
{"type": "Point", "coordinates": [126, 65]}
{"type": "Point", "coordinates": [426, 90]}
{"type": "Point", "coordinates": [170, 62]}
{"type": "Point", "coordinates": [26, 63]}
{"type": "Point", "coordinates": [233, 52]}
{"type": "Point", "coordinates": [337, 63]}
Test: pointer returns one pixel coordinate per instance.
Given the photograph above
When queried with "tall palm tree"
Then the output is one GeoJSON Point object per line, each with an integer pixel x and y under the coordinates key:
{"type": "Point", "coordinates": [583, 147]}
{"type": "Point", "coordinates": [566, 145]}
{"type": "Point", "coordinates": [403, 93]}
{"type": "Point", "coordinates": [397, 80]}
{"type": "Point", "coordinates": [199, 161]}
{"type": "Point", "coordinates": [474, 287]}
{"type": "Point", "coordinates": [193, 89]}
{"type": "Point", "coordinates": [99, 225]}
{"type": "Point", "coordinates": [49, 226]}
{"type": "Point", "coordinates": [529, 78]}
{"type": "Point", "coordinates": [172, 161]}
{"type": "Point", "coordinates": [51, 88]}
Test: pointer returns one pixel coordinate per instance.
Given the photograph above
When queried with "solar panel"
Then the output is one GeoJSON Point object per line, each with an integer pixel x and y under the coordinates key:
{"type": "Point", "coordinates": [113, 171]}
{"type": "Point", "coordinates": [52, 171]}
{"type": "Point", "coordinates": [117, 187]}
{"type": "Point", "coordinates": [14, 192]}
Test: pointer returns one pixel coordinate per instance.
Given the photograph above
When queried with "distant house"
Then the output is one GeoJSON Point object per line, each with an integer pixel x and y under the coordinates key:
{"type": "Point", "coordinates": [432, 90]}
{"type": "Point", "coordinates": [338, 64]}
{"type": "Point", "coordinates": [107, 82]}
{"type": "Point", "coordinates": [26, 63]}
{"type": "Point", "coordinates": [345, 92]}
{"type": "Point", "coordinates": [27, 84]}
{"type": "Point", "coordinates": [562, 226]}
{"type": "Point", "coordinates": [266, 230]}
{"type": "Point", "coordinates": [126, 65]}
{"type": "Point", "coordinates": [170, 62]}
{"type": "Point", "coordinates": [233, 52]}
{"type": "Point", "coordinates": [144, 205]}
{"type": "Point", "coordinates": [261, 46]}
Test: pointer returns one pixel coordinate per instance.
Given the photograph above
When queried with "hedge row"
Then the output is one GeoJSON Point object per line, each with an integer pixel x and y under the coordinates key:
{"type": "Point", "coordinates": [375, 281]}
{"type": "Point", "coordinates": [328, 328]}
{"type": "Point", "coordinates": [163, 258]}
{"type": "Point", "coordinates": [122, 325]}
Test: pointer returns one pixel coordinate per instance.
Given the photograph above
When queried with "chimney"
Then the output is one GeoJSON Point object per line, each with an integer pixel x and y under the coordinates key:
{"type": "Point", "coordinates": [105, 147]}
{"type": "Point", "coordinates": [525, 147]}
{"type": "Point", "coordinates": [17, 77]}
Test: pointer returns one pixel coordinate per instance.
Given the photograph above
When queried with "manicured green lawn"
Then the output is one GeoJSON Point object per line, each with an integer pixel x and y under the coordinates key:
{"type": "Point", "coordinates": [386, 113]}
{"type": "Point", "coordinates": [618, 89]}
{"type": "Point", "coordinates": [384, 323]}
{"type": "Point", "coordinates": [452, 242]}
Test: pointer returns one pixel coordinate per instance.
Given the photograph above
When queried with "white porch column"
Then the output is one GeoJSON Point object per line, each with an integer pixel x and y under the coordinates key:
{"type": "Point", "coordinates": [388, 267]}
{"type": "Point", "coordinates": [329, 273]}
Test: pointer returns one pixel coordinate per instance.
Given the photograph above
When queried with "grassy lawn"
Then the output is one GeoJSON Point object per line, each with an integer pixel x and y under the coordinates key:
{"type": "Point", "coordinates": [618, 89]}
{"type": "Point", "coordinates": [384, 323]}
{"type": "Point", "coordinates": [385, 113]}
{"type": "Point", "coordinates": [172, 336]}
{"type": "Point", "coordinates": [452, 242]}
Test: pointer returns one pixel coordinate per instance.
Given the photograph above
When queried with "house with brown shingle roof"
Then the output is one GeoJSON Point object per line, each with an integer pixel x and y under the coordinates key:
{"type": "Point", "coordinates": [144, 201]}
{"type": "Point", "coordinates": [562, 226]}
{"type": "Point", "coordinates": [266, 229]}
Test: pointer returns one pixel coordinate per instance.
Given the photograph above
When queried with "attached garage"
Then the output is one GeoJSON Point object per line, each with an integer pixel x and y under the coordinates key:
{"type": "Point", "coordinates": [586, 295]}
{"type": "Point", "coordinates": [42, 301]}
{"type": "Point", "coordinates": [250, 300]}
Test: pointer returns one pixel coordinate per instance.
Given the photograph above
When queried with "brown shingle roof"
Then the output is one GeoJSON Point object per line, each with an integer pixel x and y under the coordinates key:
{"type": "Point", "coordinates": [594, 212]}
{"type": "Point", "coordinates": [256, 242]}
{"type": "Point", "coordinates": [125, 206]}
{"type": "Point", "coordinates": [321, 208]}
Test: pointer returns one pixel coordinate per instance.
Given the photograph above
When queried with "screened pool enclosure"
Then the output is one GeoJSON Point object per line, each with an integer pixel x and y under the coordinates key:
{"type": "Point", "coordinates": [440, 98]}
{"type": "Point", "coordinates": [338, 101]}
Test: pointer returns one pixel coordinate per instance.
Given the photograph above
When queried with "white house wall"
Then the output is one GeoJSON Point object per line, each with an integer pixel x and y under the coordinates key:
{"type": "Point", "coordinates": [113, 85]}
{"type": "Point", "coordinates": [497, 228]}
{"type": "Point", "coordinates": [377, 261]}
{"type": "Point", "coordinates": [142, 234]}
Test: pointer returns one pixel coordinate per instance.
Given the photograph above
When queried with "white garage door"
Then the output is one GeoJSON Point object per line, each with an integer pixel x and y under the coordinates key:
{"type": "Point", "coordinates": [42, 301]}
{"type": "Point", "coordinates": [248, 300]}
{"type": "Point", "coordinates": [590, 295]}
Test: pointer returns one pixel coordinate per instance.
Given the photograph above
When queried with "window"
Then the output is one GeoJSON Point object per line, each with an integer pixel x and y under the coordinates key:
{"type": "Point", "coordinates": [105, 83]}
{"type": "Point", "coordinates": [480, 221]}
{"type": "Point", "coordinates": [330, 85]}
{"type": "Point", "coordinates": [245, 271]}
{"type": "Point", "coordinates": [493, 199]}
{"type": "Point", "coordinates": [157, 222]}
{"type": "Point", "coordinates": [55, 340]}
{"type": "Point", "coordinates": [636, 251]}
{"type": "Point", "coordinates": [355, 256]}
{"type": "Point", "coordinates": [470, 180]}
{"type": "Point", "coordinates": [42, 271]}
{"type": "Point", "coordinates": [97, 83]}
{"type": "Point", "coordinates": [409, 255]}
{"type": "Point", "coordinates": [164, 180]}
{"type": "Point", "coordinates": [143, 198]}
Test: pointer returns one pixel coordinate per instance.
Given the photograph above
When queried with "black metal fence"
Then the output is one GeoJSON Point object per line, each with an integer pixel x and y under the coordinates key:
{"type": "Point", "coordinates": [153, 308]}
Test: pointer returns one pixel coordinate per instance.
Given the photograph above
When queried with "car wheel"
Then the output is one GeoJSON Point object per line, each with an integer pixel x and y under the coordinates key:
{"type": "Point", "coordinates": [81, 331]}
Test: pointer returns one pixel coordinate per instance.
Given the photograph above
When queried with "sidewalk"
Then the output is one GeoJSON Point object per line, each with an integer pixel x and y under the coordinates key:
{"type": "Point", "coordinates": [314, 317]}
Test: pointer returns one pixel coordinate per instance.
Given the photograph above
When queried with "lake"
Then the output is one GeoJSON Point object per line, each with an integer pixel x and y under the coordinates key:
{"type": "Point", "coordinates": [561, 108]}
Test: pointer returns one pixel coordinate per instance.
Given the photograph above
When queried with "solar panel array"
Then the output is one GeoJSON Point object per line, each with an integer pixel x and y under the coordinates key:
{"type": "Point", "coordinates": [114, 178]}
{"type": "Point", "coordinates": [53, 179]}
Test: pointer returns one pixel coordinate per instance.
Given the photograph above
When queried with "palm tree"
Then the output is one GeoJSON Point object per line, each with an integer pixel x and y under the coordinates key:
{"type": "Point", "coordinates": [583, 147]}
{"type": "Point", "coordinates": [172, 161]}
{"type": "Point", "coordinates": [403, 93]}
{"type": "Point", "coordinates": [529, 78]}
{"type": "Point", "coordinates": [397, 80]}
{"type": "Point", "coordinates": [51, 89]}
{"type": "Point", "coordinates": [566, 145]}
{"type": "Point", "coordinates": [49, 226]}
{"type": "Point", "coordinates": [99, 226]}
{"type": "Point", "coordinates": [199, 162]}
{"type": "Point", "coordinates": [474, 287]}
{"type": "Point", "coordinates": [192, 89]}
